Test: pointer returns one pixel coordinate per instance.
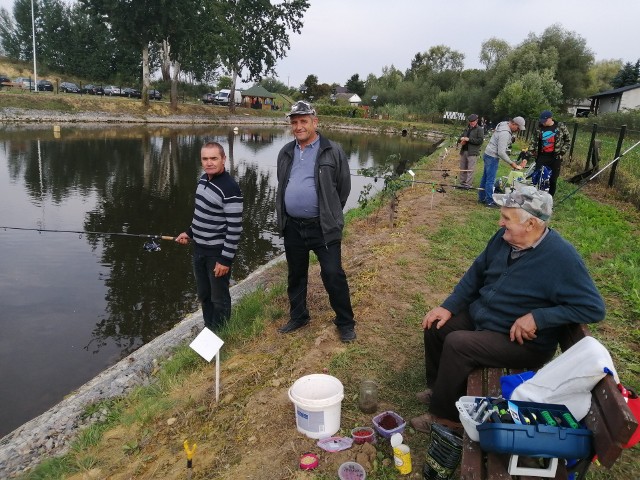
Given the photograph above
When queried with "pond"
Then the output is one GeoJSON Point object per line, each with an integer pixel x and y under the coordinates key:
{"type": "Point", "coordinates": [74, 303]}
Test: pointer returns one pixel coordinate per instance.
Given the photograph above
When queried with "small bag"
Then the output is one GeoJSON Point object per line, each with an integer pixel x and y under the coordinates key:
{"type": "Point", "coordinates": [632, 399]}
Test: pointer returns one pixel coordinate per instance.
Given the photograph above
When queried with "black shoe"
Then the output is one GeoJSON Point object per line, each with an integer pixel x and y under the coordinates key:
{"type": "Point", "coordinates": [493, 205]}
{"type": "Point", "coordinates": [292, 326]}
{"type": "Point", "coordinates": [347, 334]}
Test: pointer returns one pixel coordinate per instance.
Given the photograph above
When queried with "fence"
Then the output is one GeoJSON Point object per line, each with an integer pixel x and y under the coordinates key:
{"type": "Point", "coordinates": [594, 147]}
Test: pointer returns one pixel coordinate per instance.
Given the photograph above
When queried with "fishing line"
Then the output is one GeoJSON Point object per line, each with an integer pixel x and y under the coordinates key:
{"type": "Point", "coordinates": [150, 246]}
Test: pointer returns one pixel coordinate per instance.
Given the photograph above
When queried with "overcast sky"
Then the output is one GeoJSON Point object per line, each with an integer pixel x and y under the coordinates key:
{"type": "Point", "coordinates": [343, 37]}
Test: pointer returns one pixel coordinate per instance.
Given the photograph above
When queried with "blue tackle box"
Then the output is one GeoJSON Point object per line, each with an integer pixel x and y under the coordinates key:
{"type": "Point", "coordinates": [546, 430]}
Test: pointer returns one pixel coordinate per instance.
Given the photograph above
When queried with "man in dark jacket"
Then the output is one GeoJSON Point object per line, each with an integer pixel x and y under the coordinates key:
{"type": "Point", "coordinates": [507, 308]}
{"type": "Point", "coordinates": [550, 142]}
{"type": "Point", "coordinates": [313, 186]}
{"type": "Point", "coordinates": [471, 139]}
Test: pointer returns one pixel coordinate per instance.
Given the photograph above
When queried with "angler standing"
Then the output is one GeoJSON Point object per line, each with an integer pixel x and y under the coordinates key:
{"type": "Point", "coordinates": [549, 143]}
{"type": "Point", "coordinates": [313, 186]}
{"type": "Point", "coordinates": [215, 231]}
{"type": "Point", "coordinates": [471, 139]}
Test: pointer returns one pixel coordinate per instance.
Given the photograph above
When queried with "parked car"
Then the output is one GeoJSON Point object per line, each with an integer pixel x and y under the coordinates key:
{"type": "Point", "coordinates": [5, 80]}
{"type": "Point", "coordinates": [155, 95]}
{"type": "Point", "coordinates": [131, 93]}
{"type": "Point", "coordinates": [69, 87]}
{"type": "Point", "coordinates": [112, 90]}
{"type": "Point", "coordinates": [24, 82]}
{"type": "Point", "coordinates": [93, 89]}
{"type": "Point", "coordinates": [223, 97]}
{"type": "Point", "coordinates": [45, 86]}
{"type": "Point", "coordinates": [209, 98]}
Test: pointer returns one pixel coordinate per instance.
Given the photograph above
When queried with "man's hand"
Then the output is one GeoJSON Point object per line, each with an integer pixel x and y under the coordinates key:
{"type": "Point", "coordinates": [438, 315]}
{"type": "Point", "coordinates": [515, 166]}
{"type": "Point", "coordinates": [183, 238]}
{"type": "Point", "coordinates": [524, 328]}
{"type": "Point", "coordinates": [220, 270]}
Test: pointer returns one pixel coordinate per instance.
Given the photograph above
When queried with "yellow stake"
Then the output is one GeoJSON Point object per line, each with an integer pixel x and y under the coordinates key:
{"type": "Point", "coordinates": [189, 451]}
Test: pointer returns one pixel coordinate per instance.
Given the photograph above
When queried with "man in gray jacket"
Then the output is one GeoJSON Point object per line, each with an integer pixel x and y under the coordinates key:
{"type": "Point", "coordinates": [471, 139]}
{"type": "Point", "coordinates": [314, 182]}
{"type": "Point", "coordinates": [496, 150]}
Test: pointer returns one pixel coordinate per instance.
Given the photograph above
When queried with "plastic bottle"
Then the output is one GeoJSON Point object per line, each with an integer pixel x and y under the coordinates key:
{"type": "Point", "coordinates": [368, 397]}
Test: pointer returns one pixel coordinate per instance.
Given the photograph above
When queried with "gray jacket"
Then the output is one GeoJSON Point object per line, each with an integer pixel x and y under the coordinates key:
{"type": "Point", "coordinates": [476, 137]}
{"type": "Point", "coordinates": [500, 141]}
{"type": "Point", "coordinates": [333, 184]}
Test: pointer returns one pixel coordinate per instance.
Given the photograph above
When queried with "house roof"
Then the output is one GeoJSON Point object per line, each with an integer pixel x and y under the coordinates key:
{"type": "Point", "coordinates": [616, 90]}
{"type": "Point", "coordinates": [257, 91]}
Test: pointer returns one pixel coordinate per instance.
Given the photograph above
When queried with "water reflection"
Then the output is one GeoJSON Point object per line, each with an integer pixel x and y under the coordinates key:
{"type": "Point", "coordinates": [74, 304]}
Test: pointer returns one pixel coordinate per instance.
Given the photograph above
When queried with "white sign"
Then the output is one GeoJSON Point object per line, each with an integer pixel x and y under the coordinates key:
{"type": "Point", "coordinates": [207, 344]}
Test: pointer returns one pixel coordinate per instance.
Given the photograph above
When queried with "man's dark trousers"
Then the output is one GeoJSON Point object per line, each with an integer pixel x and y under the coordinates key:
{"type": "Point", "coordinates": [455, 350]}
{"type": "Point", "coordinates": [300, 237]}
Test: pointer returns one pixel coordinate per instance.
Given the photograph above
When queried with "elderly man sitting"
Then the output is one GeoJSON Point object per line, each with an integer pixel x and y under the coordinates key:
{"type": "Point", "coordinates": [506, 309]}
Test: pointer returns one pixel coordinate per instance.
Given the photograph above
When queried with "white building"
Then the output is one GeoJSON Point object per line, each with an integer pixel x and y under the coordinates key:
{"type": "Point", "coordinates": [616, 100]}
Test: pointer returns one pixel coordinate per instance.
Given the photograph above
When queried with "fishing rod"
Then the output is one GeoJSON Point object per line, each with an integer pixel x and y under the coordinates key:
{"type": "Point", "coordinates": [459, 187]}
{"type": "Point", "coordinates": [599, 172]}
{"type": "Point", "coordinates": [150, 246]}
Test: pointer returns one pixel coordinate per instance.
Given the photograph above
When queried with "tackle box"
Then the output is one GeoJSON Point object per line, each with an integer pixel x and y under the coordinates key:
{"type": "Point", "coordinates": [547, 430]}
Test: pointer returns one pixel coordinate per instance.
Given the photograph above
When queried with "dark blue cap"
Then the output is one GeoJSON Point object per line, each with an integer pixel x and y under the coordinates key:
{"type": "Point", "coordinates": [545, 115]}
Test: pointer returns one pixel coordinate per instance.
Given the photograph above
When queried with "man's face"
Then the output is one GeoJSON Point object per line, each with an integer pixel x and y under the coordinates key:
{"type": "Point", "coordinates": [303, 128]}
{"type": "Point", "coordinates": [212, 160]}
{"type": "Point", "coordinates": [548, 122]}
{"type": "Point", "coordinates": [473, 124]}
{"type": "Point", "coordinates": [514, 126]}
{"type": "Point", "coordinates": [516, 232]}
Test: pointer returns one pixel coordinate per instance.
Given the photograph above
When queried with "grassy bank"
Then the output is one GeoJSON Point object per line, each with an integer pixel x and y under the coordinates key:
{"type": "Point", "coordinates": [396, 274]}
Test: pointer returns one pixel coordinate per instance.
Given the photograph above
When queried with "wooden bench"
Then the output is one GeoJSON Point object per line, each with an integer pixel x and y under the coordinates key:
{"type": "Point", "coordinates": [609, 418]}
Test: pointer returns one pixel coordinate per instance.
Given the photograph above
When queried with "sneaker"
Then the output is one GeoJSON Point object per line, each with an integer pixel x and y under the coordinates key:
{"type": "Point", "coordinates": [292, 326]}
{"type": "Point", "coordinates": [347, 334]}
{"type": "Point", "coordinates": [492, 205]}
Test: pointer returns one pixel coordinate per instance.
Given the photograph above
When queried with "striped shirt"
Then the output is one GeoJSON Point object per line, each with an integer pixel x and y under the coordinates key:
{"type": "Point", "coordinates": [217, 217]}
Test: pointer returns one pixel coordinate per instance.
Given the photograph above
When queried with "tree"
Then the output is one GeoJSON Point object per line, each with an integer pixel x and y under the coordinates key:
{"type": "Point", "coordinates": [9, 42]}
{"type": "Point", "coordinates": [310, 86]}
{"type": "Point", "coordinates": [629, 74]}
{"type": "Point", "coordinates": [492, 51]}
{"type": "Point", "coordinates": [256, 35]}
{"type": "Point", "coordinates": [437, 59]}
{"type": "Point", "coordinates": [602, 74]}
{"type": "Point", "coordinates": [355, 85]}
{"type": "Point", "coordinates": [529, 94]}
{"type": "Point", "coordinates": [273, 85]}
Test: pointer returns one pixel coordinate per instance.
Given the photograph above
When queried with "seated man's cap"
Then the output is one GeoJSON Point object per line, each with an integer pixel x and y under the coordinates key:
{"type": "Point", "coordinates": [546, 114]}
{"type": "Point", "coordinates": [527, 197]}
{"type": "Point", "coordinates": [520, 122]}
{"type": "Point", "coordinates": [472, 118]}
{"type": "Point", "coordinates": [301, 108]}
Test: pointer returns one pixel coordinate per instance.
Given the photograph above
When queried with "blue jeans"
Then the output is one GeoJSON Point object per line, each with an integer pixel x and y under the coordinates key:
{"type": "Point", "coordinates": [488, 179]}
{"type": "Point", "coordinates": [213, 292]}
{"type": "Point", "coordinates": [300, 237]}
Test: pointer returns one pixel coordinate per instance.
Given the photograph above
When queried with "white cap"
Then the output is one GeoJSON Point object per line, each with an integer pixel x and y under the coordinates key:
{"type": "Point", "coordinates": [396, 439]}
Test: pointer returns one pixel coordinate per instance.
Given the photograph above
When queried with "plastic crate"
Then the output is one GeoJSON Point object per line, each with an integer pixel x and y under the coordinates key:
{"type": "Point", "coordinates": [383, 431]}
{"type": "Point", "coordinates": [536, 439]}
{"type": "Point", "coordinates": [464, 406]}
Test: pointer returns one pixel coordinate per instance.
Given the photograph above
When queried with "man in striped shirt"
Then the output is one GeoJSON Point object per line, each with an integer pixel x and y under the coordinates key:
{"type": "Point", "coordinates": [215, 231]}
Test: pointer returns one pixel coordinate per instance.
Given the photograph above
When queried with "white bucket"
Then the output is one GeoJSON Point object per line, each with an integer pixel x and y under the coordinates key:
{"type": "Point", "coordinates": [317, 399]}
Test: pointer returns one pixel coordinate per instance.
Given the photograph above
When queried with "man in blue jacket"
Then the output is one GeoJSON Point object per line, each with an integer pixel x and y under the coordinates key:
{"type": "Point", "coordinates": [314, 182]}
{"type": "Point", "coordinates": [507, 308]}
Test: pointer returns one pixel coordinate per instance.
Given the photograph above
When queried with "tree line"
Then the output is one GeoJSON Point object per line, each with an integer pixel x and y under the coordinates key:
{"type": "Point", "coordinates": [122, 42]}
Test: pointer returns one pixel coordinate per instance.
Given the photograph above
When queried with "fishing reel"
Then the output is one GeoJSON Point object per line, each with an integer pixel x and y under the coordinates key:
{"type": "Point", "coordinates": [152, 246]}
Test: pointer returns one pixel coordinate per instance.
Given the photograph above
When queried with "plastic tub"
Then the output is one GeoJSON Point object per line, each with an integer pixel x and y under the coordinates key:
{"type": "Point", "coordinates": [351, 471]}
{"type": "Point", "coordinates": [363, 435]}
{"type": "Point", "coordinates": [464, 405]}
{"type": "Point", "coordinates": [387, 432]}
{"type": "Point", "coordinates": [317, 401]}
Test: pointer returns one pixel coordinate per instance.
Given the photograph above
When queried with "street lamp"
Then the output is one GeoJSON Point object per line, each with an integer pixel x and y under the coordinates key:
{"type": "Point", "coordinates": [303, 91]}
{"type": "Point", "coordinates": [33, 28]}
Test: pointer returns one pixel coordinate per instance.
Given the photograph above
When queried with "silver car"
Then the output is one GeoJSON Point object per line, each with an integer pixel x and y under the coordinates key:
{"type": "Point", "coordinates": [112, 90]}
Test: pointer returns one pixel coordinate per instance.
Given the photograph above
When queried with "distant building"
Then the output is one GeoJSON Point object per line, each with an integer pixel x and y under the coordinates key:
{"type": "Point", "coordinates": [616, 100]}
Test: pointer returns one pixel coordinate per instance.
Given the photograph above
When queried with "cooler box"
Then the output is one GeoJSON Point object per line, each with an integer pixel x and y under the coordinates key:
{"type": "Point", "coordinates": [537, 439]}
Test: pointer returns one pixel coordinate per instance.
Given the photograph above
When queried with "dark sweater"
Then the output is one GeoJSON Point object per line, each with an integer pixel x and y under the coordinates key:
{"type": "Point", "coordinates": [217, 217]}
{"type": "Point", "coordinates": [550, 281]}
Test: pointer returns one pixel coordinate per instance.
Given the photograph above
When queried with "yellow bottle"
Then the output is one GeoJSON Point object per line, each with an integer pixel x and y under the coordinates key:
{"type": "Point", "coordinates": [401, 454]}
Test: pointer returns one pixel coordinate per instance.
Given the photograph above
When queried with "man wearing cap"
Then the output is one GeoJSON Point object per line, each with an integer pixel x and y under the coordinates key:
{"type": "Point", "coordinates": [549, 143]}
{"type": "Point", "coordinates": [505, 310]}
{"type": "Point", "coordinates": [497, 149]}
{"type": "Point", "coordinates": [471, 139]}
{"type": "Point", "coordinates": [313, 186]}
